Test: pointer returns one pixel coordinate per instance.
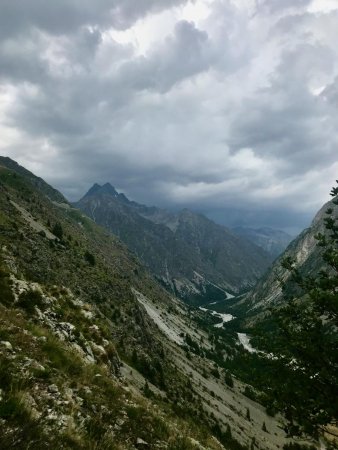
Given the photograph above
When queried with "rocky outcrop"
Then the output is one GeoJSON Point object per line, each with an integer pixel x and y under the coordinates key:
{"type": "Point", "coordinates": [304, 251]}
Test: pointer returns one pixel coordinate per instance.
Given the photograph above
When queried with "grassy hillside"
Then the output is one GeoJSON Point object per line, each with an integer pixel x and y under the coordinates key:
{"type": "Point", "coordinates": [94, 354]}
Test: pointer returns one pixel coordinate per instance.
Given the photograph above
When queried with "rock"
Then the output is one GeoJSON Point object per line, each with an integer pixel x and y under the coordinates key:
{"type": "Point", "coordinates": [69, 393]}
{"type": "Point", "coordinates": [87, 390]}
{"type": "Point", "coordinates": [119, 422]}
{"type": "Point", "coordinates": [79, 400]}
{"type": "Point", "coordinates": [98, 349]}
{"type": "Point", "coordinates": [87, 314]}
{"type": "Point", "coordinates": [7, 345]}
{"type": "Point", "coordinates": [79, 349]}
{"type": "Point", "coordinates": [31, 405]}
{"type": "Point", "coordinates": [53, 389]}
{"type": "Point", "coordinates": [37, 366]}
{"type": "Point", "coordinates": [89, 356]}
{"type": "Point", "coordinates": [140, 443]}
{"type": "Point", "coordinates": [67, 329]}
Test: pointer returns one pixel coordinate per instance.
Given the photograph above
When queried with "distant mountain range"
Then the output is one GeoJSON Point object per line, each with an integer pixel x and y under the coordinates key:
{"type": "Point", "coordinates": [192, 256]}
{"type": "Point", "coordinates": [272, 241]}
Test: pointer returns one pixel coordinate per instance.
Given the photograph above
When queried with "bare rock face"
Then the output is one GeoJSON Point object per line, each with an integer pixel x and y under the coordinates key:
{"type": "Point", "coordinates": [304, 251]}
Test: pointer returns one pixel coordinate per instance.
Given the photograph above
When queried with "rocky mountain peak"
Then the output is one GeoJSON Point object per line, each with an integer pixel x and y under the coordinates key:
{"type": "Point", "coordinates": [107, 188]}
{"type": "Point", "coordinates": [95, 188]}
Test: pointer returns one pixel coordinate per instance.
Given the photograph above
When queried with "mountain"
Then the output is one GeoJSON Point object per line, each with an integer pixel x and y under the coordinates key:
{"type": "Point", "coordinates": [94, 353]}
{"type": "Point", "coordinates": [272, 241]}
{"type": "Point", "coordinates": [192, 256]}
{"type": "Point", "coordinates": [304, 250]}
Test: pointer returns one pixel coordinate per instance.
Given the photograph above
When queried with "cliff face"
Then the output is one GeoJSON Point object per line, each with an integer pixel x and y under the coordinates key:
{"type": "Point", "coordinates": [304, 251]}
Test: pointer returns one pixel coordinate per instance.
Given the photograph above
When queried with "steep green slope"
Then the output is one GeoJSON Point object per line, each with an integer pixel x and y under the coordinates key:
{"type": "Point", "coordinates": [94, 354]}
{"type": "Point", "coordinates": [68, 318]}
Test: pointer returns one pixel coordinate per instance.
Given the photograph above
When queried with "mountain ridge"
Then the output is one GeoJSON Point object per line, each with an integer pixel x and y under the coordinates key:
{"type": "Point", "coordinates": [176, 246]}
{"type": "Point", "coordinates": [271, 240]}
{"type": "Point", "coordinates": [95, 354]}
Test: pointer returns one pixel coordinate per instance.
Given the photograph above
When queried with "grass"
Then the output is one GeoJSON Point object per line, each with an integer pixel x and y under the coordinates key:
{"type": "Point", "coordinates": [62, 358]}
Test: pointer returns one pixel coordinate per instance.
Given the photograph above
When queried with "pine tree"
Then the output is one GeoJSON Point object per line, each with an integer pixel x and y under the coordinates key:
{"type": "Point", "coordinates": [304, 382]}
{"type": "Point", "coordinates": [57, 230]}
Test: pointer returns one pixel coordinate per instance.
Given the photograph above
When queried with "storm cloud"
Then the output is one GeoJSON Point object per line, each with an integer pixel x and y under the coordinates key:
{"type": "Point", "coordinates": [229, 108]}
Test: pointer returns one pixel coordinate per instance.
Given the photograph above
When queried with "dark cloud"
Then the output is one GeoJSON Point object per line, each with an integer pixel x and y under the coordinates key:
{"type": "Point", "coordinates": [182, 55]}
{"type": "Point", "coordinates": [286, 121]}
{"type": "Point", "coordinates": [234, 115]}
{"type": "Point", "coordinates": [65, 16]}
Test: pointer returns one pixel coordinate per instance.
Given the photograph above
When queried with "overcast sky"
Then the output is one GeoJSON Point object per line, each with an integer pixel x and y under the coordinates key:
{"type": "Point", "coordinates": [226, 107]}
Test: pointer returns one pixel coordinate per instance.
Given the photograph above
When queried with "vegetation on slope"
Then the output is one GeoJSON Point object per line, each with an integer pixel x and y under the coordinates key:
{"type": "Point", "coordinates": [68, 316]}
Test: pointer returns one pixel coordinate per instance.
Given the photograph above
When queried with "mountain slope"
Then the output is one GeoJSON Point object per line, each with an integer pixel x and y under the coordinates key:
{"type": "Point", "coordinates": [272, 241]}
{"type": "Point", "coordinates": [192, 256]}
{"type": "Point", "coordinates": [94, 353]}
{"type": "Point", "coordinates": [305, 251]}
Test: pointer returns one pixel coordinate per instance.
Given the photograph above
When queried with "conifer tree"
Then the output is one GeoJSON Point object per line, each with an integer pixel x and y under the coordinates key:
{"type": "Point", "coordinates": [304, 381]}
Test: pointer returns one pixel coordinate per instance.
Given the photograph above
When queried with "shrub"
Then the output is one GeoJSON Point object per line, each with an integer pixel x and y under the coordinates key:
{"type": "Point", "coordinates": [90, 258]}
{"type": "Point", "coordinates": [12, 409]}
{"type": "Point", "coordinates": [296, 446]}
{"type": "Point", "coordinates": [29, 300]}
{"type": "Point", "coordinates": [57, 230]}
{"type": "Point", "coordinates": [228, 380]}
{"type": "Point", "coordinates": [6, 294]}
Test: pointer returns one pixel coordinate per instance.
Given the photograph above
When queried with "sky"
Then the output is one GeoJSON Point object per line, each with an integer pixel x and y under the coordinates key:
{"type": "Point", "coordinates": [227, 107]}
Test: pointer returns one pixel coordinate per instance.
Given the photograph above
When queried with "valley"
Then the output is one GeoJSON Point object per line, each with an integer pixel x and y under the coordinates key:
{"type": "Point", "coordinates": [96, 353]}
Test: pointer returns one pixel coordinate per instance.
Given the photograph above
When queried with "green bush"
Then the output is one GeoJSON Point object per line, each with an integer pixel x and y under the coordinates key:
{"type": "Point", "coordinates": [12, 409]}
{"type": "Point", "coordinates": [57, 230]}
{"type": "Point", "coordinates": [296, 446]}
{"type": "Point", "coordinates": [6, 294]}
{"type": "Point", "coordinates": [90, 258]}
{"type": "Point", "coordinates": [228, 380]}
{"type": "Point", "coordinates": [30, 299]}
